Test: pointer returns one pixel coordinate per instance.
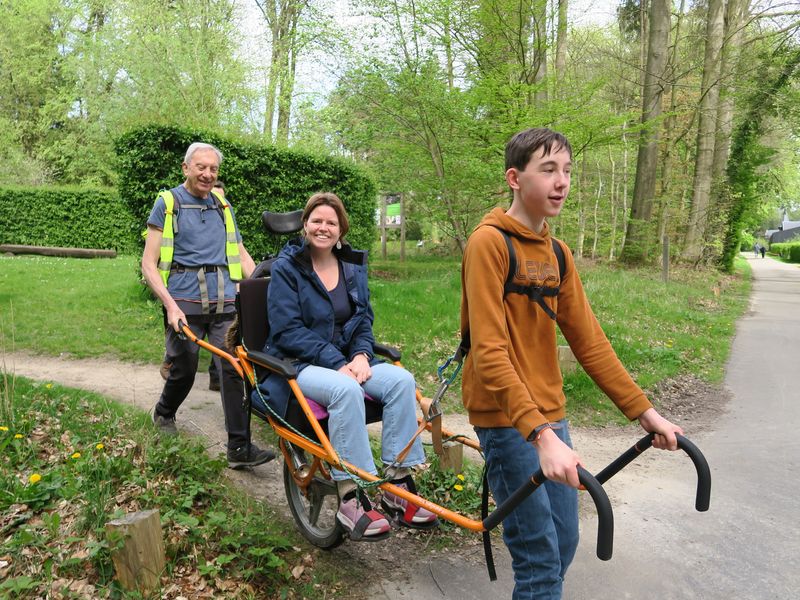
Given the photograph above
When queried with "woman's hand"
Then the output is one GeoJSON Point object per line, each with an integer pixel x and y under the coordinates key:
{"type": "Point", "coordinates": [359, 367]}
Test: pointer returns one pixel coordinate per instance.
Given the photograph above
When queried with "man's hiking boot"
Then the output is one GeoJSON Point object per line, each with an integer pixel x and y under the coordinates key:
{"type": "Point", "coordinates": [164, 370]}
{"type": "Point", "coordinates": [361, 521]}
{"type": "Point", "coordinates": [248, 456]}
{"type": "Point", "coordinates": [408, 514]}
{"type": "Point", "coordinates": [213, 384]}
{"type": "Point", "coordinates": [165, 425]}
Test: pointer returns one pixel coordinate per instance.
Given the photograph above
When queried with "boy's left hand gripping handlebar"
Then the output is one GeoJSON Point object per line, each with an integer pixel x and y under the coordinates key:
{"type": "Point", "coordinates": [605, 516]}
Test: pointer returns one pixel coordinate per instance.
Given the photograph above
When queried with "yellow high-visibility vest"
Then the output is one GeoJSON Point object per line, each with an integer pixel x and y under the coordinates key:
{"type": "Point", "coordinates": [168, 239]}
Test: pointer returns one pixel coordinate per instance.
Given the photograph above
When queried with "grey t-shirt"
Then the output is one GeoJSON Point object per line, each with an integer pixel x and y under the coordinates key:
{"type": "Point", "coordinates": [199, 240]}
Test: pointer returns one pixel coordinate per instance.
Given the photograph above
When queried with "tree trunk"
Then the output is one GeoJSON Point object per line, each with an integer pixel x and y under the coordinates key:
{"type": "Point", "coordinates": [578, 249]}
{"type": "Point", "coordinates": [670, 128]}
{"type": "Point", "coordinates": [596, 223]}
{"type": "Point", "coordinates": [706, 128]}
{"type": "Point", "coordinates": [561, 44]}
{"type": "Point", "coordinates": [540, 50]}
{"type": "Point", "coordinates": [613, 195]}
{"type": "Point", "coordinates": [639, 242]}
{"type": "Point", "coordinates": [731, 49]}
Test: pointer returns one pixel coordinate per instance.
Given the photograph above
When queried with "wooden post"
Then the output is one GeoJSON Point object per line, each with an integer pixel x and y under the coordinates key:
{"type": "Point", "coordinates": [383, 226]}
{"type": "Point", "coordinates": [402, 228]}
{"type": "Point", "coordinates": [140, 561]}
{"type": "Point", "coordinates": [665, 260]}
{"type": "Point", "coordinates": [566, 359]}
{"type": "Point", "coordinates": [452, 457]}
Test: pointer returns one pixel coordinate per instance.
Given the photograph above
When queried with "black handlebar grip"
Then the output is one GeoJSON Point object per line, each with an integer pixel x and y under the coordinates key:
{"type": "Point", "coordinates": [605, 526]}
{"type": "Point", "coordinates": [703, 498]}
{"type": "Point", "coordinates": [605, 516]}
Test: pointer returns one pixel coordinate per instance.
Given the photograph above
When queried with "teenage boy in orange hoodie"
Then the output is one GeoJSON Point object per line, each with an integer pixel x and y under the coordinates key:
{"type": "Point", "coordinates": [512, 384]}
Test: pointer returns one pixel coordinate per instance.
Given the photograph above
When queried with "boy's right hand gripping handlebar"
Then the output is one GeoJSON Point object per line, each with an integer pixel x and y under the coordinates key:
{"type": "Point", "coordinates": [703, 497]}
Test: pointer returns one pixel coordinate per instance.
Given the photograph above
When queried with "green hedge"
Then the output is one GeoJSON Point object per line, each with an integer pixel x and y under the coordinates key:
{"type": "Point", "coordinates": [787, 250]}
{"type": "Point", "coordinates": [67, 217]}
{"type": "Point", "coordinates": [257, 178]}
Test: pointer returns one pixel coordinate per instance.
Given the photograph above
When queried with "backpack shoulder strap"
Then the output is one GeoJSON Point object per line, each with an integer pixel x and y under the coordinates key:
{"type": "Point", "coordinates": [562, 262]}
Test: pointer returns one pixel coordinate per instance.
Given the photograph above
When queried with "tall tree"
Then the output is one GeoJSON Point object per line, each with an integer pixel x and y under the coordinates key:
{"type": "Point", "coordinates": [639, 237]}
{"type": "Point", "coordinates": [706, 132]}
{"type": "Point", "coordinates": [282, 18]}
{"type": "Point", "coordinates": [735, 16]}
{"type": "Point", "coordinates": [747, 156]}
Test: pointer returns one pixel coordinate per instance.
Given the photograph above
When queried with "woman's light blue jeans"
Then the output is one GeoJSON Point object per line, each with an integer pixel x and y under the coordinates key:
{"type": "Point", "coordinates": [542, 532]}
{"type": "Point", "coordinates": [343, 397]}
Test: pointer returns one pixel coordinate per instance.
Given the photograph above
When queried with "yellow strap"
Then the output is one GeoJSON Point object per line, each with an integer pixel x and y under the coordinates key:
{"type": "Point", "coordinates": [167, 236]}
{"type": "Point", "coordinates": [231, 245]}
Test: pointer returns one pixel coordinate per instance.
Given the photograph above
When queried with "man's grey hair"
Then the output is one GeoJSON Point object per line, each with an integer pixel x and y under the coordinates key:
{"type": "Point", "coordinates": [201, 146]}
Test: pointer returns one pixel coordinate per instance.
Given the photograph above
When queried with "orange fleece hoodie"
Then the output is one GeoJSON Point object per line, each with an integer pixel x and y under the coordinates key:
{"type": "Point", "coordinates": [511, 375]}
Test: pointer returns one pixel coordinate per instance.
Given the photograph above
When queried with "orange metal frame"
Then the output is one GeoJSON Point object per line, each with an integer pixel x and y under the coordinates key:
{"type": "Point", "coordinates": [324, 451]}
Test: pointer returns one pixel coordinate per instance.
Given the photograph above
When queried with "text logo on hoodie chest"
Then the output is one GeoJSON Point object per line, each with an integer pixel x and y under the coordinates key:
{"type": "Point", "coordinates": [536, 272]}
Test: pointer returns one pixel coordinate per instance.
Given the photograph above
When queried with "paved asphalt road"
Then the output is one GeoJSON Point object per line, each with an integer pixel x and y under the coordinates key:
{"type": "Point", "coordinates": [747, 547]}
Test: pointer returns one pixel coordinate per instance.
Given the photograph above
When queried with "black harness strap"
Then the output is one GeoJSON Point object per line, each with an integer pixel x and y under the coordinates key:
{"type": "Point", "coordinates": [536, 293]}
{"type": "Point", "coordinates": [487, 535]}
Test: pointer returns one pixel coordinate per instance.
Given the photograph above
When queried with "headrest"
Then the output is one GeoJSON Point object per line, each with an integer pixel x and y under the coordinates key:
{"type": "Point", "coordinates": [282, 223]}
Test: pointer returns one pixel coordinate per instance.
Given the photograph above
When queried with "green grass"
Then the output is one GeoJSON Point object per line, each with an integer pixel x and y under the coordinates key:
{"type": "Point", "coordinates": [84, 308]}
{"type": "Point", "coordinates": [70, 461]}
{"type": "Point", "coordinates": [658, 330]}
{"type": "Point", "coordinates": [97, 308]}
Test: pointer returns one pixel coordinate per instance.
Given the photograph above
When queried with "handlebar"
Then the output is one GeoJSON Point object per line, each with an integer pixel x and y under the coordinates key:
{"type": "Point", "coordinates": [703, 496]}
{"type": "Point", "coordinates": [605, 515]}
{"type": "Point", "coordinates": [185, 332]}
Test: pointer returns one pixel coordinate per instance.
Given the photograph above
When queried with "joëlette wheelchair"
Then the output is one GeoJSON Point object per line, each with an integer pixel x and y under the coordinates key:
{"type": "Point", "coordinates": [308, 453]}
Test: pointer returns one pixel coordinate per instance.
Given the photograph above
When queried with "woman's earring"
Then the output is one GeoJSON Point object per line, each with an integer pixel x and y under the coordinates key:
{"type": "Point", "coordinates": [339, 244]}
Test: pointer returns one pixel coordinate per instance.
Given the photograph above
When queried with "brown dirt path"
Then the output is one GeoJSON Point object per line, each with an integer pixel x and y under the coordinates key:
{"type": "Point", "coordinates": [409, 554]}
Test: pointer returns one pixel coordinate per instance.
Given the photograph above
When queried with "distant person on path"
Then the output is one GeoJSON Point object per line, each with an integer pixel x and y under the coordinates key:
{"type": "Point", "coordinates": [756, 248]}
{"type": "Point", "coordinates": [512, 385]}
{"type": "Point", "coordinates": [763, 250]}
{"type": "Point", "coordinates": [192, 257]}
{"type": "Point", "coordinates": [320, 316]}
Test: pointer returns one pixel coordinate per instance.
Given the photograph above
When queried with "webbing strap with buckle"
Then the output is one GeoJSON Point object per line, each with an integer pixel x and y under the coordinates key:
{"type": "Point", "coordinates": [204, 301]}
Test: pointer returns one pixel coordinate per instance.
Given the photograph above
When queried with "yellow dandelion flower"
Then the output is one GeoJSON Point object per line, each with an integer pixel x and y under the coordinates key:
{"type": "Point", "coordinates": [458, 487]}
{"type": "Point", "coordinates": [49, 386]}
{"type": "Point", "coordinates": [35, 478]}
{"type": "Point", "coordinates": [18, 436]}
{"type": "Point", "coordinates": [76, 455]}
{"type": "Point", "coordinates": [3, 428]}
{"type": "Point", "coordinates": [460, 476]}
{"type": "Point", "coordinates": [100, 446]}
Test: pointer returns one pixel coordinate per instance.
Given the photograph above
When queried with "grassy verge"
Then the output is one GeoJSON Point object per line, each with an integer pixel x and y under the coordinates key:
{"type": "Point", "coordinates": [659, 330]}
{"type": "Point", "coordinates": [96, 308]}
{"type": "Point", "coordinates": [71, 460]}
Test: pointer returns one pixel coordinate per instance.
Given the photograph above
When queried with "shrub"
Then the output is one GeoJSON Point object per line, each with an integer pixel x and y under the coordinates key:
{"type": "Point", "coordinates": [787, 250]}
{"type": "Point", "coordinates": [68, 217]}
{"type": "Point", "coordinates": [257, 178]}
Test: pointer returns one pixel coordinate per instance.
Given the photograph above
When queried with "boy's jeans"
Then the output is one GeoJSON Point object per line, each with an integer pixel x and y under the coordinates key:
{"type": "Point", "coordinates": [390, 385]}
{"type": "Point", "coordinates": [542, 532]}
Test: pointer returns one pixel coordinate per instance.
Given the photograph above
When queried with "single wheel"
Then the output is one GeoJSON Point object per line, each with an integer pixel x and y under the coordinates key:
{"type": "Point", "coordinates": [313, 511]}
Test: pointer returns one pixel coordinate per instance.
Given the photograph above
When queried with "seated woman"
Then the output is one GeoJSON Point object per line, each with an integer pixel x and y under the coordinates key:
{"type": "Point", "coordinates": [320, 315]}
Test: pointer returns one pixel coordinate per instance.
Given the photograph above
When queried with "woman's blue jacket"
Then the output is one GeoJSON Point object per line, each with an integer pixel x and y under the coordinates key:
{"type": "Point", "coordinates": [301, 321]}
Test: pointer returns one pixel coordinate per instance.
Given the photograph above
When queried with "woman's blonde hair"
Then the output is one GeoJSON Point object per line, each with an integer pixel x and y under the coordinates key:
{"type": "Point", "coordinates": [332, 200]}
